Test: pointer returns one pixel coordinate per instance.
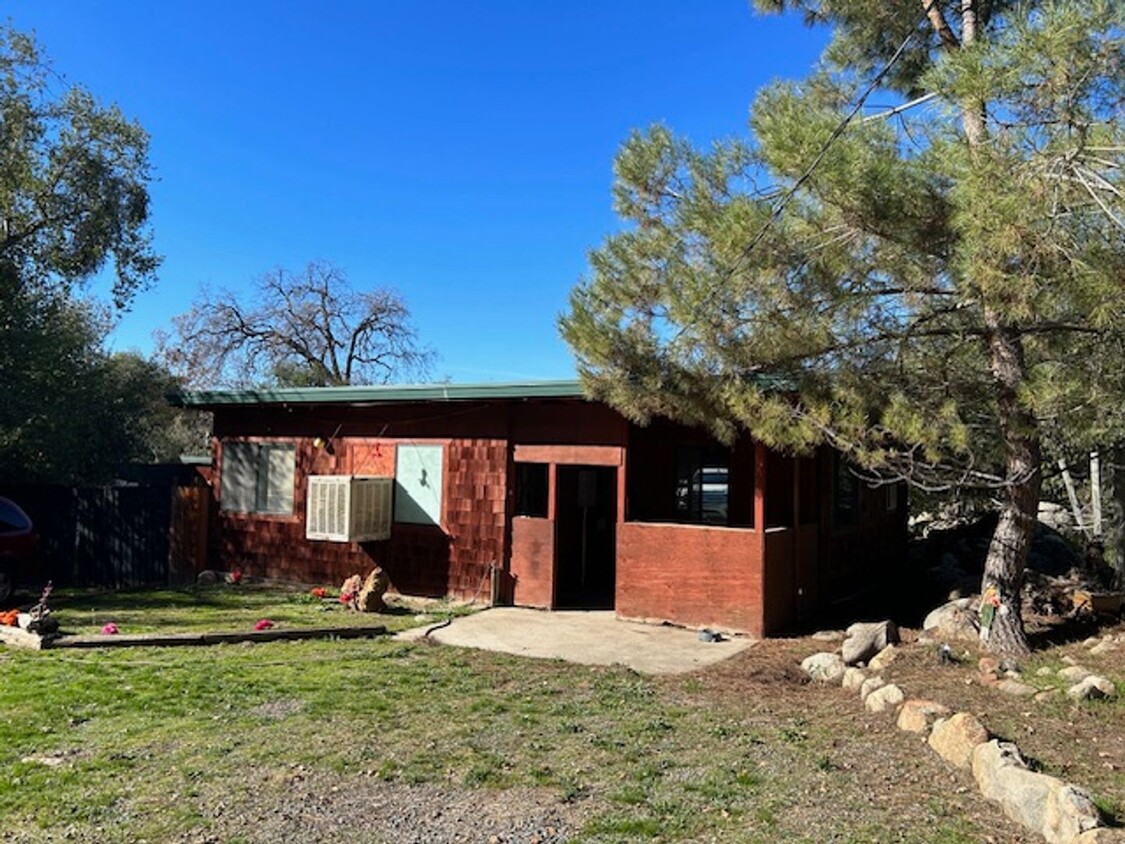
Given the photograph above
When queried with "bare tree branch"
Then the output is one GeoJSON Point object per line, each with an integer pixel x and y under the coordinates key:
{"type": "Point", "coordinates": [310, 328]}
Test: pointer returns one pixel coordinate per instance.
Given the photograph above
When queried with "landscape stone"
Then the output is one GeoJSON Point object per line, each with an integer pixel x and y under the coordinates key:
{"type": "Point", "coordinates": [1043, 804]}
{"type": "Point", "coordinates": [206, 578]}
{"type": "Point", "coordinates": [865, 639]}
{"type": "Point", "coordinates": [1075, 673]}
{"type": "Point", "coordinates": [1101, 835]}
{"type": "Point", "coordinates": [884, 658]}
{"type": "Point", "coordinates": [1016, 688]}
{"type": "Point", "coordinates": [918, 716]}
{"type": "Point", "coordinates": [824, 667]}
{"type": "Point", "coordinates": [883, 698]}
{"type": "Point", "coordinates": [1046, 694]}
{"type": "Point", "coordinates": [1045, 671]}
{"type": "Point", "coordinates": [828, 635]}
{"type": "Point", "coordinates": [954, 620]}
{"type": "Point", "coordinates": [1089, 643]}
{"type": "Point", "coordinates": [1055, 516]}
{"type": "Point", "coordinates": [869, 685]}
{"type": "Point", "coordinates": [370, 597]}
{"type": "Point", "coordinates": [1104, 647]}
{"type": "Point", "coordinates": [988, 665]}
{"type": "Point", "coordinates": [1092, 687]}
{"type": "Point", "coordinates": [853, 679]}
{"type": "Point", "coordinates": [954, 738]}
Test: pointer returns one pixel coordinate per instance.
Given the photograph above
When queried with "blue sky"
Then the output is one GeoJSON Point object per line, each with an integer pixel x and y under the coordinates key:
{"type": "Point", "coordinates": [459, 152]}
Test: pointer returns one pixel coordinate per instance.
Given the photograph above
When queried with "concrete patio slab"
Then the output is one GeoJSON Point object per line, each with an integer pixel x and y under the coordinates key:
{"type": "Point", "coordinates": [586, 637]}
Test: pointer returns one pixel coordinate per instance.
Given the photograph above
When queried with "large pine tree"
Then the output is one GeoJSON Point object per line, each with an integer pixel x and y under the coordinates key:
{"type": "Point", "coordinates": [929, 288]}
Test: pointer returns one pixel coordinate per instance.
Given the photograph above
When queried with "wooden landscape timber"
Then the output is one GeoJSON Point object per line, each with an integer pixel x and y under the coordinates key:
{"type": "Point", "coordinates": [21, 638]}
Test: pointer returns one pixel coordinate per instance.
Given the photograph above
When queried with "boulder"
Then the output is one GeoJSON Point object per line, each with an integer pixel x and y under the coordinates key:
{"type": "Point", "coordinates": [865, 639]}
{"type": "Point", "coordinates": [884, 698]}
{"type": "Point", "coordinates": [853, 679]}
{"type": "Point", "coordinates": [206, 578]}
{"type": "Point", "coordinates": [370, 596]}
{"type": "Point", "coordinates": [1074, 673]}
{"type": "Point", "coordinates": [1044, 804]}
{"type": "Point", "coordinates": [954, 620]}
{"type": "Point", "coordinates": [824, 667]}
{"type": "Point", "coordinates": [827, 635]}
{"type": "Point", "coordinates": [1055, 516]}
{"type": "Point", "coordinates": [954, 738]}
{"type": "Point", "coordinates": [918, 716]}
{"type": "Point", "coordinates": [1016, 689]}
{"type": "Point", "coordinates": [869, 685]}
{"type": "Point", "coordinates": [1103, 647]}
{"type": "Point", "coordinates": [1101, 835]}
{"type": "Point", "coordinates": [884, 658]}
{"type": "Point", "coordinates": [1092, 687]}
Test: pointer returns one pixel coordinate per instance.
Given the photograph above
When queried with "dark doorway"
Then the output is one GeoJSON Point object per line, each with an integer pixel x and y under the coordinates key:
{"type": "Point", "coordinates": [586, 548]}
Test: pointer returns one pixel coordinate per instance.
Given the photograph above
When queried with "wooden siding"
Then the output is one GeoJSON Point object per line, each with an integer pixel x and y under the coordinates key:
{"type": "Point", "coordinates": [692, 575]}
{"type": "Point", "coordinates": [736, 578]}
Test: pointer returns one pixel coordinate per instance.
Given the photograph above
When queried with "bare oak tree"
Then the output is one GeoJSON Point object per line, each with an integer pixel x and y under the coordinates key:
{"type": "Point", "coordinates": [298, 329]}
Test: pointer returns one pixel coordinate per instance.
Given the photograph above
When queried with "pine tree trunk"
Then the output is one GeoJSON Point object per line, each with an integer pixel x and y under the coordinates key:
{"type": "Point", "coordinates": [1001, 624]}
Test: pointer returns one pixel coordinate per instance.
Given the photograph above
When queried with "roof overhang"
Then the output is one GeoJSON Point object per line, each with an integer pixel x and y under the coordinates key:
{"type": "Point", "coordinates": [384, 394]}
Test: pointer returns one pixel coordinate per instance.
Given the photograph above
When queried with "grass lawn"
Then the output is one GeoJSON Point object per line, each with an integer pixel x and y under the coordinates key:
{"type": "Point", "coordinates": [225, 608]}
{"type": "Point", "coordinates": [240, 742]}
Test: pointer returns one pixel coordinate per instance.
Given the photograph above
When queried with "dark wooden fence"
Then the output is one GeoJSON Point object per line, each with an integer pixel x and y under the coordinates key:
{"type": "Point", "coordinates": [115, 536]}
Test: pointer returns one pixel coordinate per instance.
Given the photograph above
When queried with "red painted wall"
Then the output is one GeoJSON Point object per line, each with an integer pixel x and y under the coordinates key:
{"type": "Point", "coordinates": [732, 578]}
{"type": "Point", "coordinates": [691, 575]}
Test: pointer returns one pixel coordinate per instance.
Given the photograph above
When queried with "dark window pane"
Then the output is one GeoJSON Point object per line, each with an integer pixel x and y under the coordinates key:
{"type": "Point", "coordinates": [531, 489]}
{"type": "Point", "coordinates": [702, 484]}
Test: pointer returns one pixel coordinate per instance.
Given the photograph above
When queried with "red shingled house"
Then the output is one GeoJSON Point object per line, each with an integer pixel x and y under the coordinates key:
{"type": "Point", "coordinates": [529, 494]}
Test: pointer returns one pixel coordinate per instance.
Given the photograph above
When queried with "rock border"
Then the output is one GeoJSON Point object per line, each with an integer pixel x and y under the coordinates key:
{"type": "Point", "coordinates": [1060, 812]}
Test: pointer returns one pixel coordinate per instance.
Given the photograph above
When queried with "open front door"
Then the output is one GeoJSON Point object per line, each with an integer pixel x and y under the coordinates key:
{"type": "Point", "coordinates": [585, 537]}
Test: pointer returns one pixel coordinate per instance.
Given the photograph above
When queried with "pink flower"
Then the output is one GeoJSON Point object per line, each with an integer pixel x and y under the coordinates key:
{"type": "Point", "coordinates": [263, 624]}
{"type": "Point", "coordinates": [109, 628]}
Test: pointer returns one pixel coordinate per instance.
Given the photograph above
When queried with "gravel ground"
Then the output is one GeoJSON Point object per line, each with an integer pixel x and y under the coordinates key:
{"type": "Point", "coordinates": [303, 805]}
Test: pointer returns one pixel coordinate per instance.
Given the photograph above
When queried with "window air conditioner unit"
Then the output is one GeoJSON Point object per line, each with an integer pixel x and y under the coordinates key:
{"type": "Point", "coordinates": [349, 508]}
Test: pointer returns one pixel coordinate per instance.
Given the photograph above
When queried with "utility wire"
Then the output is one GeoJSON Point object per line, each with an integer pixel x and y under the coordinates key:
{"type": "Point", "coordinates": [779, 208]}
{"type": "Point", "coordinates": [787, 197]}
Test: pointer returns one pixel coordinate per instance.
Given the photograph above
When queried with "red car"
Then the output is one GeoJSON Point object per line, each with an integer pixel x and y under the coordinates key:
{"type": "Point", "coordinates": [18, 541]}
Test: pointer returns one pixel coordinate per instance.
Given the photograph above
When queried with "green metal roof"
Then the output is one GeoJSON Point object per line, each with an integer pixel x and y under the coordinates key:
{"type": "Point", "coordinates": [375, 395]}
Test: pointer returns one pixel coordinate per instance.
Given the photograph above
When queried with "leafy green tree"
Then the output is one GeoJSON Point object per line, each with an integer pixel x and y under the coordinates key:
{"type": "Point", "coordinates": [310, 328]}
{"type": "Point", "coordinates": [930, 289]}
{"type": "Point", "coordinates": [73, 181]}
{"type": "Point", "coordinates": [73, 200]}
{"type": "Point", "coordinates": [71, 413]}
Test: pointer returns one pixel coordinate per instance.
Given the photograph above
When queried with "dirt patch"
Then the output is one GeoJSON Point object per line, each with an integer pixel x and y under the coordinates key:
{"type": "Point", "coordinates": [301, 804]}
{"type": "Point", "coordinates": [1080, 742]}
{"type": "Point", "coordinates": [277, 709]}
